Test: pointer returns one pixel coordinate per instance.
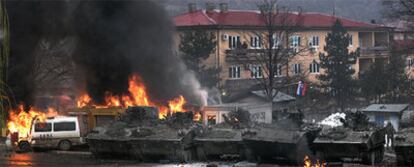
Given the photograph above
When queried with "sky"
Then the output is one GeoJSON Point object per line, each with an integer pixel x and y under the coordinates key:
{"type": "Point", "coordinates": [361, 10]}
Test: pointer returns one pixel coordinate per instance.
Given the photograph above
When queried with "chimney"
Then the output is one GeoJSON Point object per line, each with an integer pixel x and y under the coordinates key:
{"type": "Point", "coordinates": [224, 7]}
{"type": "Point", "coordinates": [192, 7]}
{"type": "Point", "coordinates": [210, 7]}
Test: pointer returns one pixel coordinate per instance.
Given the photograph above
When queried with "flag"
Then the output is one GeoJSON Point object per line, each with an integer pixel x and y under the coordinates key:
{"type": "Point", "coordinates": [299, 90]}
{"type": "Point", "coordinates": [305, 87]}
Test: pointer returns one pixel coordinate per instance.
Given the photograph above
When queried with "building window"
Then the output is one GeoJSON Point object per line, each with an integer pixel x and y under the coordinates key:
{"type": "Point", "coordinates": [234, 72]}
{"type": "Point", "coordinates": [314, 68]}
{"type": "Point", "coordinates": [256, 42]}
{"type": "Point", "coordinates": [278, 71]}
{"type": "Point", "coordinates": [350, 40]}
{"type": "Point", "coordinates": [234, 42]}
{"type": "Point", "coordinates": [275, 43]}
{"type": "Point", "coordinates": [256, 71]}
{"type": "Point", "coordinates": [296, 69]}
{"type": "Point", "coordinates": [294, 41]}
{"type": "Point", "coordinates": [314, 41]}
{"type": "Point", "coordinates": [410, 63]}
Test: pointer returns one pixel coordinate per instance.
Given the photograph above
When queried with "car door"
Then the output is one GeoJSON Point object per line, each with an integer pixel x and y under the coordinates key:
{"type": "Point", "coordinates": [42, 133]}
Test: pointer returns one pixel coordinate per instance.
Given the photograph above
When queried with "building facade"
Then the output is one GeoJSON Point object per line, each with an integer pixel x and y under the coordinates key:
{"type": "Point", "coordinates": [382, 114]}
{"type": "Point", "coordinates": [239, 27]}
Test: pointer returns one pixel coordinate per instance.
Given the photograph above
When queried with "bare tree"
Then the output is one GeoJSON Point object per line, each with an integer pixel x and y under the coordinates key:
{"type": "Point", "coordinates": [274, 45]}
{"type": "Point", "coordinates": [53, 65]}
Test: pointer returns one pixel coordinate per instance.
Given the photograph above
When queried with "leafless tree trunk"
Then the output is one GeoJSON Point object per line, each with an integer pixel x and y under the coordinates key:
{"type": "Point", "coordinates": [276, 47]}
{"type": "Point", "coordinates": [53, 65]}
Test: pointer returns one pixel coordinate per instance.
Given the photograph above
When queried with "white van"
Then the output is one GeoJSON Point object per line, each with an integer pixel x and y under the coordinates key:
{"type": "Point", "coordinates": [62, 132]}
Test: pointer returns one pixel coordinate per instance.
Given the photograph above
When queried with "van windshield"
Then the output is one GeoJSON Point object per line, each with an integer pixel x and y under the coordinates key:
{"type": "Point", "coordinates": [43, 127]}
{"type": "Point", "coordinates": [64, 126]}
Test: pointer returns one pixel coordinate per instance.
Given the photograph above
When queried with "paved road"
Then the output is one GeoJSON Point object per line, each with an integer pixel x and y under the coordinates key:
{"type": "Point", "coordinates": [69, 159]}
{"type": "Point", "coordinates": [84, 158]}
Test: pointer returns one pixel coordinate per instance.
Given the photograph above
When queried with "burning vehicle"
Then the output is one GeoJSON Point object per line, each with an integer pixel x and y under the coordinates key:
{"type": "Point", "coordinates": [141, 135]}
{"type": "Point", "coordinates": [21, 126]}
{"type": "Point", "coordinates": [38, 129]}
{"type": "Point", "coordinates": [357, 139]}
{"type": "Point", "coordinates": [134, 126]}
{"type": "Point", "coordinates": [58, 132]}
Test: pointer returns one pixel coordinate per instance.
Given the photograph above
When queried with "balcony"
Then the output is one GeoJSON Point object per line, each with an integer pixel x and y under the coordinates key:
{"type": "Point", "coordinates": [373, 44]}
{"type": "Point", "coordinates": [242, 54]}
{"type": "Point", "coordinates": [372, 52]}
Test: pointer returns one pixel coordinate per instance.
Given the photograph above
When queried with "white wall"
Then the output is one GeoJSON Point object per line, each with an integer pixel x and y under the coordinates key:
{"type": "Point", "coordinates": [258, 112]}
{"type": "Point", "coordinates": [388, 117]}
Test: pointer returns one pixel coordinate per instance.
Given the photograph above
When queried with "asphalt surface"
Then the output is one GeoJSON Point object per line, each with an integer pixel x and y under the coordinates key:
{"type": "Point", "coordinates": [81, 157]}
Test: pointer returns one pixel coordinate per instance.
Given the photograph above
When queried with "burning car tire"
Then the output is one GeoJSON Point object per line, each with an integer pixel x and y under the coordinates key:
{"type": "Point", "coordinates": [64, 145]}
{"type": "Point", "coordinates": [24, 147]}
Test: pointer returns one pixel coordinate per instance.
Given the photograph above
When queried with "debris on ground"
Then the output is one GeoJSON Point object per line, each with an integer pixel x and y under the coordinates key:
{"type": "Point", "coordinates": [333, 120]}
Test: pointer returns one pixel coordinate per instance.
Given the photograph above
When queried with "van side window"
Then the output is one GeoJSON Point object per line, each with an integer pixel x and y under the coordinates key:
{"type": "Point", "coordinates": [43, 127]}
{"type": "Point", "coordinates": [64, 126]}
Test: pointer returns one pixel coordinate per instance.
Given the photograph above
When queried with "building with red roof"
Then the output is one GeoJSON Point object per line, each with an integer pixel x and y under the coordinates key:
{"type": "Point", "coordinates": [235, 27]}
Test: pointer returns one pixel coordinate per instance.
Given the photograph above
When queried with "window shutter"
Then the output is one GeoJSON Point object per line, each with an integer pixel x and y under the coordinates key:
{"type": "Point", "coordinates": [238, 71]}
{"type": "Point", "coordinates": [294, 68]}
{"type": "Point", "coordinates": [317, 40]}
{"type": "Point", "coordinates": [251, 41]}
{"type": "Point", "coordinates": [299, 41]}
{"type": "Point", "coordinates": [310, 41]}
{"type": "Point", "coordinates": [310, 68]}
{"type": "Point", "coordinates": [230, 72]}
{"type": "Point", "coordinates": [260, 41]}
{"type": "Point", "coordinates": [230, 41]}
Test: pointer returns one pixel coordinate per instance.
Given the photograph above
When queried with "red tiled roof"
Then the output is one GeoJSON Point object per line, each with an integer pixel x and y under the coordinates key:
{"type": "Point", "coordinates": [253, 18]}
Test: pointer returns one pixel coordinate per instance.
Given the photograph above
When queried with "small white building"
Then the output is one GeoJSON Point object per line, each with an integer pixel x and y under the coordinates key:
{"type": "Point", "coordinates": [255, 102]}
{"type": "Point", "coordinates": [383, 114]}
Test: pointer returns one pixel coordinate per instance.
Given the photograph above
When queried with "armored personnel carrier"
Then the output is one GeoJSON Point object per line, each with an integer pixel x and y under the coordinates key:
{"type": "Point", "coordinates": [223, 140]}
{"type": "Point", "coordinates": [356, 139]}
{"type": "Point", "coordinates": [284, 140]}
{"type": "Point", "coordinates": [404, 147]}
{"type": "Point", "coordinates": [141, 135]}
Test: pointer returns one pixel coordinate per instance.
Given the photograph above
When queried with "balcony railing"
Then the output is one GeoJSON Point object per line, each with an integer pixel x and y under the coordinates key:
{"type": "Point", "coordinates": [242, 54]}
{"type": "Point", "coordinates": [374, 51]}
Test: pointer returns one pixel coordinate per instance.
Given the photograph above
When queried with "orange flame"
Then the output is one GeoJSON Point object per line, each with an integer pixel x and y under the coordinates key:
{"type": "Point", "coordinates": [176, 105]}
{"type": "Point", "coordinates": [20, 121]}
{"type": "Point", "coordinates": [307, 162]}
{"type": "Point", "coordinates": [137, 97]}
{"type": "Point", "coordinates": [83, 100]}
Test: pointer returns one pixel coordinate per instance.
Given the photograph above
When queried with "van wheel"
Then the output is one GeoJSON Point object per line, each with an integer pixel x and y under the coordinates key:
{"type": "Point", "coordinates": [24, 146]}
{"type": "Point", "coordinates": [65, 145]}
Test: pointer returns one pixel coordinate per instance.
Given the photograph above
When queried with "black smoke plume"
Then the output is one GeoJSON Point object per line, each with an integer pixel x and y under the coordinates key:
{"type": "Point", "coordinates": [114, 39]}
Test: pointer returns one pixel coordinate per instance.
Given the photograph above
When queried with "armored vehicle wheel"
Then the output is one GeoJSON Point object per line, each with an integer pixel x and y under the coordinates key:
{"type": "Point", "coordinates": [65, 145]}
{"type": "Point", "coordinates": [24, 146]}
